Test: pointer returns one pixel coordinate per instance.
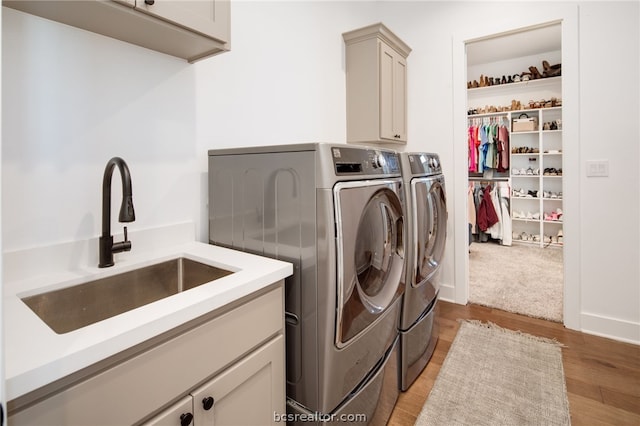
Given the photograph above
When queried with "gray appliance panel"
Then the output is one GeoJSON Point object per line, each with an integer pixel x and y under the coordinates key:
{"type": "Point", "coordinates": [265, 204]}
{"type": "Point", "coordinates": [426, 216]}
{"type": "Point", "coordinates": [427, 238]}
{"type": "Point", "coordinates": [417, 345]}
{"type": "Point", "coordinates": [280, 204]}
{"type": "Point", "coordinates": [371, 250]}
{"type": "Point", "coordinates": [370, 404]}
{"type": "Point", "coordinates": [420, 164]}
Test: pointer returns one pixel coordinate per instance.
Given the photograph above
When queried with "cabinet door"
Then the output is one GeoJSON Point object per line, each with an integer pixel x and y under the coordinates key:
{"type": "Point", "coordinates": [251, 392]}
{"type": "Point", "coordinates": [400, 99]}
{"type": "Point", "coordinates": [179, 414]}
{"type": "Point", "coordinates": [393, 77]}
{"type": "Point", "coordinates": [209, 17]}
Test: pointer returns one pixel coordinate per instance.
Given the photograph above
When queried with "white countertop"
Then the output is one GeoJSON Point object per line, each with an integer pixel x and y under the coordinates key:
{"type": "Point", "coordinates": [36, 356]}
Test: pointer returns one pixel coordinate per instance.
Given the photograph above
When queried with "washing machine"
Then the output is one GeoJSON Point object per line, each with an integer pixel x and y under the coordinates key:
{"type": "Point", "coordinates": [334, 211]}
{"type": "Point", "coordinates": [426, 216]}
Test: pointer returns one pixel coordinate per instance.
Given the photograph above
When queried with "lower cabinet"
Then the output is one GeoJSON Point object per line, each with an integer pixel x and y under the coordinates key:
{"type": "Point", "coordinates": [226, 368]}
{"type": "Point", "coordinates": [247, 393]}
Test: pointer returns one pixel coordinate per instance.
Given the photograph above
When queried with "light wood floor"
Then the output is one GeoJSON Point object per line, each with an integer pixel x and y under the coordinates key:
{"type": "Point", "coordinates": [602, 375]}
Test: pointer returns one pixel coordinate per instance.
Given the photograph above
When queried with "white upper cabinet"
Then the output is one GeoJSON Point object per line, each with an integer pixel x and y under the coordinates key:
{"type": "Point", "coordinates": [376, 74]}
{"type": "Point", "coordinates": [188, 29]}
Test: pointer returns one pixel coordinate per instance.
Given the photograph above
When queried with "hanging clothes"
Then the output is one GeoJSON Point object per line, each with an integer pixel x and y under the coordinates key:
{"type": "Point", "coordinates": [505, 218]}
{"type": "Point", "coordinates": [487, 145]}
{"type": "Point", "coordinates": [487, 216]}
{"type": "Point", "coordinates": [491, 157]}
{"type": "Point", "coordinates": [503, 149]}
{"type": "Point", "coordinates": [502, 229]}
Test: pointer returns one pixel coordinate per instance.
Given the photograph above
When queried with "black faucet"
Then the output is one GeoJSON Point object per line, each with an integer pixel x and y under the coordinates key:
{"type": "Point", "coordinates": [107, 246]}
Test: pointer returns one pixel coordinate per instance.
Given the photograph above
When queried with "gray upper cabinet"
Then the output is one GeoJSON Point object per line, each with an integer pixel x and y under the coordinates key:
{"type": "Point", "coordinates": [376, 73]}
{"type": "Point", "coordinates": [191, 30]}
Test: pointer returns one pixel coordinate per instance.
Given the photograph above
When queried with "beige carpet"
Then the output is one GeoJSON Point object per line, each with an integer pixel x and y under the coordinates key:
{"type": "Point", "coordinates": [523, 279]}
{"type": "Point", "coordinates": [493, 376]}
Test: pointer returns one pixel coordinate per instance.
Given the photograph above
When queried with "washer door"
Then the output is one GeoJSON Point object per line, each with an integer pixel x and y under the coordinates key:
{"type": "Point", "coordinates": [370, 253]}
{"type": "Point", "coordinates": [429, 225]}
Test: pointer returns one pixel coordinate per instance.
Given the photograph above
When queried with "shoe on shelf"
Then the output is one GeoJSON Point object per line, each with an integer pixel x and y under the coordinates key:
{"type": "Point", "coordinates": [529, 216]}
{"type": "Point", "coordinates": [536, 216]}
{"type": "Point", "coordinates": [524, 236]}
{"type": "Point", "coordinates": [536, 238]}
{"type": "Point", "coordinates": [559, 212]}
{"type": "Point", "coordinates": [515, 172]}
{"type": "Point", "coordinates": [535, 74]}
{"type": "Point", "coordinates": [546, 194]}
{"type": "Point", "coordinates": [560, 237]}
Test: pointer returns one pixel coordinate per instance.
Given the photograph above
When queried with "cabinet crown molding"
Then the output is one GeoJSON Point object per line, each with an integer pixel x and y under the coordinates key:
{"type": "Point", "coordinates": [380, 31]}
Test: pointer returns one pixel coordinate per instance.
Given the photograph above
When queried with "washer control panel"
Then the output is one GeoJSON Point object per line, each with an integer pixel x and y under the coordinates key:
{"type": "Point", "coordinates": [364, 161]}
{"type": "Point", "coordinates": [425, 164]}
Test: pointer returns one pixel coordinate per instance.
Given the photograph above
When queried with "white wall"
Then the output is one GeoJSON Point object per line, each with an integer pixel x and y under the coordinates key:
{"type": "Point", "coordinates": [610, 207]}
{"type": "Point", "coordinates": [72, 99]}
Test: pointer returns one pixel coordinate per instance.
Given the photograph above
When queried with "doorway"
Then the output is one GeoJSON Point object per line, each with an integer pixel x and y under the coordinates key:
{"type": "Point", "coordinates": [514, 116]}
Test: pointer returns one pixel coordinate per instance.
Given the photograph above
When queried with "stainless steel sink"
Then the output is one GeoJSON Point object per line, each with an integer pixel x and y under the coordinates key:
{"type": "Point", "coordinates": [75, 307]}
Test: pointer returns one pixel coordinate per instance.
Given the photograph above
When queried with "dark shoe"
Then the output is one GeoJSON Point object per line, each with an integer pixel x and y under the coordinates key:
{"type": "Point", "coordinates": [535, 74]}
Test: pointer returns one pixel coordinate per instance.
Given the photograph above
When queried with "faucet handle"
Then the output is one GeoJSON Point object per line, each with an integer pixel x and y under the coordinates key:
{"type": "Point", "coordinates": [122, 245]}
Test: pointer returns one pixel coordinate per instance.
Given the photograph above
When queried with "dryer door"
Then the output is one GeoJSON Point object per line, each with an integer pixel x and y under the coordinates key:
{"type": "Point", "coordinates": [429, 227]}
{"type": "Point", "coordinates": [370, 253]}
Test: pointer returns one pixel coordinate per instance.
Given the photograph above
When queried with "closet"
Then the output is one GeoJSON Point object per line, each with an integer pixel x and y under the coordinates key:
{"type": "Point", "coordinates": [514, 100]}
{"type": "Point", "coordinates": [515, 174]}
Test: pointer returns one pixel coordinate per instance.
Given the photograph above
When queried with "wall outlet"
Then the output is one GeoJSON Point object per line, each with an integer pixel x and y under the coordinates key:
{"type": "Point", "coordinates": [597, 168]}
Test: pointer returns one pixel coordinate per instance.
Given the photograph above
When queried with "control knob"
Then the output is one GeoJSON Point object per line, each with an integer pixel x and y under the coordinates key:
{"type": "Point", "coordinates": [433, 162]}
{"type": "Point", "coordinates": [378, 161]}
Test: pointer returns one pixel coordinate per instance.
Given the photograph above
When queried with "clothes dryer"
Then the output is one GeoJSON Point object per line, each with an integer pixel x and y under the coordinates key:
{"type": "Point", "coordinates": [426, 216]}
{"type": "Point", "coordinates": [336, 213]}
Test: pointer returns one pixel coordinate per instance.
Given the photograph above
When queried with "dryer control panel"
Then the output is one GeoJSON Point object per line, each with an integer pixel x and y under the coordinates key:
{"type": "Point", "coordinates": [425, 164]}
{"type": "Point", "coordinates": [364, 161]}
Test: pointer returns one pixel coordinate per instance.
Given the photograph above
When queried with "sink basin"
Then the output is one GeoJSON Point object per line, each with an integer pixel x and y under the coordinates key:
{"type": "Point", "coordinates": [75, 307]}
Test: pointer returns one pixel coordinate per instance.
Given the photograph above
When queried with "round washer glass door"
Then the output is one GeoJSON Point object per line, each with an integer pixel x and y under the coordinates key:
{"type": "Point", "coordinates": [370, 253]}
{"type": "Point", "coordinates": [430, 226]}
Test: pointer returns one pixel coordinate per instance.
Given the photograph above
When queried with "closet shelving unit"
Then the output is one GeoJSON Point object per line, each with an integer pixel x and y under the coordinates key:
{"type": "Point", "coordinates": [528, 212]}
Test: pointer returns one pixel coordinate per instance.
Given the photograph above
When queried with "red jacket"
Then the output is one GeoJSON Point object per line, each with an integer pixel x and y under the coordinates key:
{"type": "Point", "coordinates": [487, 216]}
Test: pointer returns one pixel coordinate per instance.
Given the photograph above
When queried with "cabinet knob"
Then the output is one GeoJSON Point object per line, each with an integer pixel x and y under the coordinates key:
{"type": "Point", "coordinates": [207, 403]}
{"type": "Point", "coordinates": [186, 419]}
{"type": "Point", "coordinates": [149, 2]}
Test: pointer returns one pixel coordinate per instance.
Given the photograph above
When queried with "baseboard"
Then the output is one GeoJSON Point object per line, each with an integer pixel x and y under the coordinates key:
{"type": "Point", "coordinates": [447, 293]}
{"type": "Point", "coordinates": [611, 328]}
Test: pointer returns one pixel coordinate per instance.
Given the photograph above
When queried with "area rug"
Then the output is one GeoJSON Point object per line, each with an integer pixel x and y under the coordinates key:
{"type": "Point", "coordinates": [494, 376]}
{"type": "Point", "coordinates": [523, 279]}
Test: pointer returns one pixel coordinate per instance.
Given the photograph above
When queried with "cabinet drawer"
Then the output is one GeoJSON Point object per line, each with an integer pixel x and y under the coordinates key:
{"type": "Point", "coordinates": [135, 388]}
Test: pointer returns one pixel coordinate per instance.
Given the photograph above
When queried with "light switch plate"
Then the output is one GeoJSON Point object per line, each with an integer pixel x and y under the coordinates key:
{"type": "Point", "coordinates": [598, 168]}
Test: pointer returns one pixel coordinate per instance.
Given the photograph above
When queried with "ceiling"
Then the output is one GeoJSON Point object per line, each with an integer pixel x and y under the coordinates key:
{"type": "Point", "coordinates": [519, 43]}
